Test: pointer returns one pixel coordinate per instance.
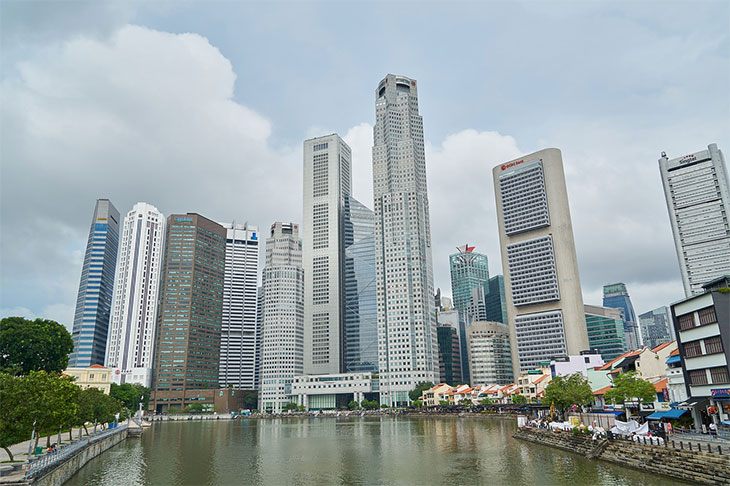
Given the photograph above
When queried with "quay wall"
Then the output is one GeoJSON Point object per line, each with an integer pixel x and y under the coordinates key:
{"type": "Point", "coordinates": [63, 472]}
{"type": "Point", "coordinates": [692, 466]}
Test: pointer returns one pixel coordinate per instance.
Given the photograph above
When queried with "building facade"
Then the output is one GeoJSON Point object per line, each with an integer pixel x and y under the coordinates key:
{"type": "Point", "coordinates": [408, 347]}
{"type": "Point", "coordinates": [541, 279]}
{"type": "Point", "coordinates": [240, 331]}
{"type": "Point", "coordinates": [469, 271]}
{"type": "Point", "coordinates": [616, 296]}
{"type": "Point", "coordinates": [361, 322]}
{"type": "Point", "coordinates": [282, 329]}
{"type": "Point", "coordinates": [605, 331]}
{"type": "Point", "coordinates": [131, 342]}
{"type": "Point", "coordinates": [94, 376]}
{"type": "Point", "coordinates": [187, 342]}
{"type": "Point", "coordinates": [449, 355]}
{"type": "Point", "coordinates": [496, 300]}
{"type": "Point", "coordinates": [697, 191]}
{"type": "Point", "coordinates": [96, 289]}
{"type": "Point", "coordinates": [327, 183]}
{"type": "Point", "coordinates": [656, 327]}
{"type": "Point", "coordinates": [490, 357]}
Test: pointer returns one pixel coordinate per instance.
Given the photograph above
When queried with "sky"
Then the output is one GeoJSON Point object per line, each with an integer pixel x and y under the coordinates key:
{"type": "Point", "coordinates": [203, 107]}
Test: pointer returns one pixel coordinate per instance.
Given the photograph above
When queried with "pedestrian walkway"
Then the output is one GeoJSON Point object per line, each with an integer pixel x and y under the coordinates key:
{"type": "Point", "coordinates": [20, 450]}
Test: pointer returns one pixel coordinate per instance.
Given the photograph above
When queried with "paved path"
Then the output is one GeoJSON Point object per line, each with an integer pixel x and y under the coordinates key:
{"type": "Point", "coordinates": [20, 451]}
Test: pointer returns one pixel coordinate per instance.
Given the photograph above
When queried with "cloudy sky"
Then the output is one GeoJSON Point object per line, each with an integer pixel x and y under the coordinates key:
{"type": "Point", "coordinates": [204, 106]}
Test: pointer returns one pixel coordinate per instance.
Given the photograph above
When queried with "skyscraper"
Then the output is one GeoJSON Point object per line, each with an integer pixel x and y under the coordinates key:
{"type": "Point", "coordinates": [542, 284]}
{"type": "Point", "coordinates": [656, 327]}
{"type": "Point", "coordinates": [188, 337]}
{"type": "Point", "coordinates": [497, 300]}
{"type": "Point", "coordinates": [469, 270]}
{"type": "Point", "coordinates": [282, 329]}
{"type": "Point", "coordinates": [449, 355]}
{"type": "Point", "coordinates": [408, 346]}
{"type": "Point", "coordinates": [130, 347]}
{"type": "Point", "coordinates": [94, 300]}
{"type": "Point", "coordinates": [605, 331]}
{"type": "Point", "coordinates": [361, 325]}
{"type": "Point", "coordinates": [240, 331]}
{"type": "Point", "coordinates": [617, 297]}
{"type": "Point", "coordinates": [327, 183]}
{"type": "Point", "coordinates": [698, 199]}
{"type": "Point", "coordinates": [490, 358]}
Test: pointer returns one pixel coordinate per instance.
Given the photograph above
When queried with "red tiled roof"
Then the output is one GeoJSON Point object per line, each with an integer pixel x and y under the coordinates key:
{"type": "Point", "coordinates": [540, 379]}
{"type": "Point", "coordinates": [662, 346]}
{"type": "Point", "coordinates": [602, 391]}
{"type": "Point", "coordinates": [615, 372]}
{"type": "Point", "coordinates": [96, 366]}
{"type": "Point", "coordinates": [661, 385]}
{"type": "Point", "coordinates": [675, 352]}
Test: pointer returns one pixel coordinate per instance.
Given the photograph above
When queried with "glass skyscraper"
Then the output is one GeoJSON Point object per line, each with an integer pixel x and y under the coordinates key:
{"type": "Point", "coordinates": [469, 270]}
{"type": "Point", "coordinates": [497, 300]}
{"type": "Point", "coordinates": [361, 324]}
{"type": "Point", "coordinates": [94, 301]}
{"type": "Point", "coordinates": [617, 297]}
{"type": "Point", "coordinates": [605, 331]}
{"type": "Point", "coordinates": [656, 327]}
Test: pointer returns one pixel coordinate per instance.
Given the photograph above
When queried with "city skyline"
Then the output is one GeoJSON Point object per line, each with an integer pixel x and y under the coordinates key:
{"type": "Point", "coordinates": [612, 142]}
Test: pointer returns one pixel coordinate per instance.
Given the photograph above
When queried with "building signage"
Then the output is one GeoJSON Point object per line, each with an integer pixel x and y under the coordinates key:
{"type": "Point", "coordinates": [720, 392]}
{"type": "Point", "coordinates": [511, 164]}
{"type": "Point", "coordinates": [687, 158]}
{"type": "Point", "coordinates": [183, 219]}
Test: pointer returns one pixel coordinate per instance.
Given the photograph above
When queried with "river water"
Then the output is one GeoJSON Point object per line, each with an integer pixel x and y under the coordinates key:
{"type": "Point", "coordinates": [369, 450]}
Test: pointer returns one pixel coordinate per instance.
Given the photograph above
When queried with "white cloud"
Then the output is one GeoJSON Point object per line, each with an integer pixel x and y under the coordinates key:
{"type": "Point", "coordinates": [360, 140]}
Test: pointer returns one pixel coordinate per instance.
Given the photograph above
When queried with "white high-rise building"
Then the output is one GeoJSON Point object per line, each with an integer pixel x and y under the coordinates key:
{"type": "Point", "coordinates": [240, 330]}
{"type": "Point", "coordinates": [406, 313]}
{"type": "Point", "coordinates": [282, 329]}
{"type": "Point", "coordinates": [698, 199]}
{"type": "Point", "coordinates": [541, 280]}
{"type": "Point", "coordinates": [130, 345]}
{"type": "Point", "coordinates": [327, 184]}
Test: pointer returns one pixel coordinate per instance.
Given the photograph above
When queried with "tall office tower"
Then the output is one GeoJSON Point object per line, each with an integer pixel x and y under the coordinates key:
{"type": "Point", "coordinates": [282, 329]}
{"type": "Point", "coordinates": [361, 322]}
{"type": "Point", "coordinates": [541, 280]}
{"type": "Point", "coordinates": [449, 355]}
{"type": "Point", "coordinates": [408, 346]}
{"type": "Point", "coordinates": [451, 317]}
{"type": "Point", "coordinates": [656, 327]}
{"type": "Point", "coordinates": [469, 271]}
{"type": "Point", "coordinates": [698, 199]}
{"type": "Point", "coordinates": [476, 308]}
{"type": "Point", "coordinates": [187, 345]}
{"type": "Point", "coordinates": [131, 342]}
{"type": "Point", "coordinates": [605, 331]}
{"type": "Point", "coordinates": [327, 183]}
{"type": "Point", "coordinates": [240, 331]}
{"type": "Point", "coordinates": [617, 297]}
{"type": "Point", "coordinates": [94, 300]}
{"type": "Point", "coordinates": [496, 300]}
{"type": "Point", "coordinates": [490, 358]}
{"type": "Point", "coordinates": [259, 326]}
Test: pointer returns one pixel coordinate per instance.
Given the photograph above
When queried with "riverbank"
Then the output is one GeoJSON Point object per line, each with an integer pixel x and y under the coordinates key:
{"type": "Point", "coordinates": [333, 414]}
{"type": "Point", "coordinates": [695, 466]}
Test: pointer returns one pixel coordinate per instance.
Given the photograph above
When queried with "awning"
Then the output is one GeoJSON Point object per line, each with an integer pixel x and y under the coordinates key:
{"type": "Point", "coordinates": [657, 416]}
{"type": "Point", "coordinates": [674, 359]}
{"type": "Point", "coordinates": [674, 413]}
{"type": "Point", "coordinates": [617, 412]}
{"type": "Point", "coordinates": [692, 403]}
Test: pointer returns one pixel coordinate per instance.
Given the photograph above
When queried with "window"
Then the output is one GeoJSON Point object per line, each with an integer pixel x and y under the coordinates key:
{"type": "Point", "coordinates": [686, 321]}
{"type": "Point", "coordinates": [719, 375]}
{"type": "Point", "coordinates": [707, 316]}
{"type": "Point", "coordinates": [697, 377]}
{"type": "Point", "coordinates": [713, 345]}
{"type": "Point", "coordinates": [692, 349]}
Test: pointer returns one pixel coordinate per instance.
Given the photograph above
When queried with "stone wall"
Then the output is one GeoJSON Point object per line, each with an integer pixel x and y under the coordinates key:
{"type": "Point", "coordinates": [692, 466]}
{"type": "Point", "coordinates": [63, 472]}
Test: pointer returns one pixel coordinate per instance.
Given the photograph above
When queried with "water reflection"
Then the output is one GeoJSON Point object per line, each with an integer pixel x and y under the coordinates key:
{"type": "Point", "coordinates": [391, 451]}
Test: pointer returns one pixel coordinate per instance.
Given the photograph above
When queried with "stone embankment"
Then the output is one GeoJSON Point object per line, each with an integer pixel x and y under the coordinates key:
{"type": "Point", "coordinates": [692, 466]}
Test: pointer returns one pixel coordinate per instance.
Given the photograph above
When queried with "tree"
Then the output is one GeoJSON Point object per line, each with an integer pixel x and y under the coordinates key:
{"type": "Point", "coordinates": [465, 402]}
{"type": "Point", "coordinates": [129, 395]}
{"type": "Point", "coordinates": [291, 406]}
{"type": "Point", "coordinates": [353, 405]}
{"type": "Point", "coordinates": [14, 425]}
{"type": "Point", "coordinates": [418, 403]}
{"type": "Point", "coordinates": [369, 404]}
{"type": "Point", "coordinates": [566, 391]}
{"type": "Point", "coordinates": [486, 401]}
{"type": "Point", "coordinates": [628, 387]}
{"type": "Point", "coordinates": [95, 406]}
{"type": "Point", "coordinates": [194, 407]}
{"type": "Point", "coordinates": [39, 345]}
{"type": "Point", "coordinates": [519, 399]}
{"type": "Point", "coordinates": [416, 393]}
{"type": "Point", "coordinates": [443, 403]}
{"type": "Point", "coordinates": [251, 400]}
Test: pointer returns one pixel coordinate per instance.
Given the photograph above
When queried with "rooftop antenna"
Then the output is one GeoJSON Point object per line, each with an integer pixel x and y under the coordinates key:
{"type": "Point", "coordinates": [664, 154]}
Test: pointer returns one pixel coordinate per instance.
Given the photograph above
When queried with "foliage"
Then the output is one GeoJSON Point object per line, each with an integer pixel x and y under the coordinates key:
{"type": "Point", "coordinates": [443, 403]}
{"type": "Point", "coordinates": [129, 394]}
{"type": "Point", "coordinates": [465, 402]}
{"type": "Point", "coordinates": [251, 400]}
{"type": "Point", "coordinates": [290, 407]}
{"type": "Point", "coordinates": [628, 386]}
{"type": "Point", "coordinates": [566, 391]}
{"type": "Point", "coordinates": [519, 399]}
{"type": "Point", "coordinates": [369, 404]}
{"type": "Point", "coordinates": [301, 408]}
{"type": "Point", "coordinates": [353, 405]}
{"type": "Point", "coordinates": [383, 405]}
{"type": "Point", "coordinates": [14, 427]}
{"type": "Point", "coordinates": [195, 407]}
{"type": "Point", "coordinates": [39, 345]}
{"type": "Point", "coordinates": [416, 393]}
{"type": "Point", "coordinates": [96, 407]}
{"type": "Point", "coordinates": [486, 401]}
{"type": "Point", "coordinates": [418, 403]}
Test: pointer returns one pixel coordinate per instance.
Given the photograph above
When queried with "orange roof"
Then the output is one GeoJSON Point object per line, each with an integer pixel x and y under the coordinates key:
{"type": "Point", "coordinates": [608, 365]}
{"type": "Point", "coordinates": [96, 366]}
{"type": "Point", "coordinates": [540, 379]}
{"type": "Point", "coordinates": [662, 346]}
{"type": "Point", "coordinates": [602, 391]}
{"type": "Point", "coordinates": [661, 385]}
{"type": "Point", "coordinates": [615, 372]}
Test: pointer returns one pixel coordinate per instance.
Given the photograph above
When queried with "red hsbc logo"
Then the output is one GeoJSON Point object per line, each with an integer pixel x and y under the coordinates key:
{"type": "Point", "coordinates": [511, 164]}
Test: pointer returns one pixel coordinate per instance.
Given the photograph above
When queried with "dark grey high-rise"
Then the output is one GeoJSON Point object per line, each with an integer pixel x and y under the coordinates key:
{"type": "Point", "coordinates": [94, 300]}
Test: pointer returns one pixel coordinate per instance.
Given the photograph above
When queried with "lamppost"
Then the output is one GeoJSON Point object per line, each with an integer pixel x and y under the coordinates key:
{"type": "Point", "coordinates": [30, 446]}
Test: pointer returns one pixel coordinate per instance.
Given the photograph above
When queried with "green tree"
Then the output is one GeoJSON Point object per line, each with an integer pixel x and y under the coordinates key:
{"type": "Point", "coordinates": [566, 391]}
{"type": "Point", "coordinates": [194, 407]}
{"type": "Point", "coordinates": [629, 387]}
{"type": "Point", "coordinates": [418, 403]}
{"type": "Point", "coordinates": [251, 400]}
{"type": "Point", "coordinates": [39, 345]}
{"type": "Point", "coordinates": [465, 402]}
{"type": "Point", "coordinates": [369, 404]}
{"type": "Point", "coordinates": [486, 401]}
{"type": "Point", "coordinates": [443, 403]}
{"type": "Point", "coordinates": [291, 406]}
{"type": "Point", "coordinates": [519, 399]}
{"type": "Point", "coordinates": [14, 424]}
{"type": "Point", "coordinates": [353, 405]}
{"type": "Point", "coordinates": [96, 407]}
{"type": "Point", "coordinates": [129, 395]}
{"type": "Point", "coordinates": [416, 393]}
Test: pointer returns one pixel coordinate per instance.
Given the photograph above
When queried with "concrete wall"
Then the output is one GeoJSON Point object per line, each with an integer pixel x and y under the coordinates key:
{"type": "Point", "coordinates": [64, 471]}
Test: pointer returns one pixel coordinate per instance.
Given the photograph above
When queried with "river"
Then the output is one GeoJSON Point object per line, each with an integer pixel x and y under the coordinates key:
{"type": "Point", "coordinates": [369, 450]}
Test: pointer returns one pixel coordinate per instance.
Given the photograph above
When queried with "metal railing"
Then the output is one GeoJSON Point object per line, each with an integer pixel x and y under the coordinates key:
{"type": "Point", "coordinates": [46, 461]}
{"type": "Point", "coordinates": [675, 442]}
